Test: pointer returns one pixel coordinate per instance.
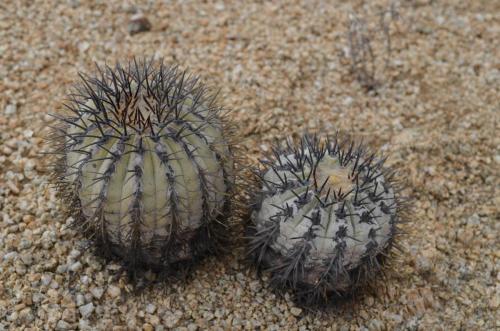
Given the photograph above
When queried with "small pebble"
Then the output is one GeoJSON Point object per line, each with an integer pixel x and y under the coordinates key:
{"type": "Point", "coordinates": [113, 291]}
{"type": "Point", "coordinates": [150, 308]}
{"type": "Point", "coordinates": [10, 109]}
{"type": "Point", "coordinates": [75, 266]}
{"type": "Point", "coordinates": [97, 292]}
{"type": "Point", "coordinates": [80, 299]}
{"type": "Point", "coordinates": [63, 325]}
{"type": "Point", "coordinates": [10, 256]}
{"type": "Point", "coordinates": [138, 23]}
{"type": "Point", "coordinates": [86, 310]}
{"type": "Point", "coordinates": [295, 311]}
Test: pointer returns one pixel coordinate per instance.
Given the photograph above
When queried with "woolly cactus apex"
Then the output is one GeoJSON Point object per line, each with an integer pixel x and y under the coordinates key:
{"type": "Point", "coordinates": [146, 164]}
{"type": "Point", "coordinates": [327, 214]}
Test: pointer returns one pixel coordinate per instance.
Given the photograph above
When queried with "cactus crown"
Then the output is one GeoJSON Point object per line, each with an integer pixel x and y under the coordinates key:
{"type": "Point", "coordinates": [146, 164]}
{"type": "Point", "coordinates": [141, 98]}
{"type": "Point", "coordinates": [326, 215]}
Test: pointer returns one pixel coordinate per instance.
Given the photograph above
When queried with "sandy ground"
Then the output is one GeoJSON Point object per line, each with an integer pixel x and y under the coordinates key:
{"type": "Point", "coordinates": [284, 68]}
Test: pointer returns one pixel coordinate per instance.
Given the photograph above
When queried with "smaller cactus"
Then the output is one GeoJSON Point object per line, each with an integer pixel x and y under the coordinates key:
{"type": "Point", "coordinates": [326, 216]}
{"type": "Point", "coordinates": [146, 165]}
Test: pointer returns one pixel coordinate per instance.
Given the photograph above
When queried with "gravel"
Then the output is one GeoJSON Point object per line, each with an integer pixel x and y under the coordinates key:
{"type": "Point", "coordinates": [86, 310]}
{"type": "Point", "coordinates": [284, 67]}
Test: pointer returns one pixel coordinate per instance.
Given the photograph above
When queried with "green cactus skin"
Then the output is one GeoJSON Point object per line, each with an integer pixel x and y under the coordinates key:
{"type": "Point", "coordinates": [326, 216]}
{"type": "Point", "coordinates": [146, 164]}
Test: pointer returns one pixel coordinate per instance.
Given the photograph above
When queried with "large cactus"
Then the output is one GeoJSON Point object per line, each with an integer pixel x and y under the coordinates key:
{"type": "Point", "coordinates": [326, 216]}
{"type": "Point", "coordinates": [146, 164]}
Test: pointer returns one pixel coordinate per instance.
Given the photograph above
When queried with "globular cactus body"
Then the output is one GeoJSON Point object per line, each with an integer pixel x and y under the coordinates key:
{"type": "Point", "coordinates": [326, 215]}
{"type": "Point", "coordinates": [146, 164]}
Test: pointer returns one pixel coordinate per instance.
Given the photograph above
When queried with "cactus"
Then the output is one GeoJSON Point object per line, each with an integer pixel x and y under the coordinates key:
{"type": "Point", "coordinates": [146, 164]}
{"type": "Point", "coordinates": [325, 218]}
